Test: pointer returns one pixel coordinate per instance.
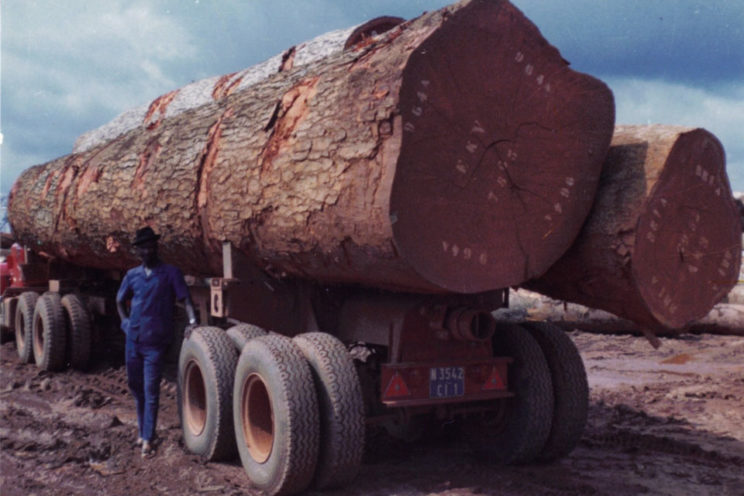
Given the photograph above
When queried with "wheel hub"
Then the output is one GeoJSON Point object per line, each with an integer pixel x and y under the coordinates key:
{"type": "Point", "coordinates": [195, 399]}
{"type": "Point", "coordinates": [258, 418]}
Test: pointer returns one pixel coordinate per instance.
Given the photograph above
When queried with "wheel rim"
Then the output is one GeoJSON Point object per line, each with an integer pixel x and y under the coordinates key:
{"type": "Point", "coordinates": [20, 331]}
{"type": "Point", "coordinates": [257, 418]}
{"type": "Point", "coordinates": [195, 399]}
{"type": "Point", "coordinates": [38, 336]}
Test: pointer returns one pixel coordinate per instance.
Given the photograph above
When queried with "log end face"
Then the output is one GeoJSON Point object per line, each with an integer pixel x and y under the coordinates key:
{"type": "Point", "coordinates": [501, 152]}
{"type": "Point", "coordinates": [688, 247]}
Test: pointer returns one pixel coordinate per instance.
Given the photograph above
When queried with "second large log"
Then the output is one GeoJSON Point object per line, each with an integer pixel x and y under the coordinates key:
{"type": "Point", "coordinates": [662, 245]}
{"type": "Point", "coordinates": [456, 153]}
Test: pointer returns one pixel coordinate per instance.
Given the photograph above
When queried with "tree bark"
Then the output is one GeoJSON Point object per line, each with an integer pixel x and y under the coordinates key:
{"type": "Point", "coordinates": [662, 244]}
{"type": "Point", "coordinates": [455, 153]}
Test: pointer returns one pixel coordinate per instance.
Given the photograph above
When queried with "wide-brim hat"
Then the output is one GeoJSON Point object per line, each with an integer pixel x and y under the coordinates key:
{"type": "Point", "coordinates": [144, 235]}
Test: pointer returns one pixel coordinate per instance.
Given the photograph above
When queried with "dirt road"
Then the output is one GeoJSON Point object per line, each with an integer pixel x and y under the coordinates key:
{"type": "Point", "coordinates": [667, 421]}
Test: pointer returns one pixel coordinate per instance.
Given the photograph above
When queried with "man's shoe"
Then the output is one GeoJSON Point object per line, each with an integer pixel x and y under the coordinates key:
{"type": "Point", "coordinates": [139, 441]}
{"type": "Point", "coordinates": [147, 450]}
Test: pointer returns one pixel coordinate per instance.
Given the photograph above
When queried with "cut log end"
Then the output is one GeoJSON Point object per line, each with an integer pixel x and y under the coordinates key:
{"type": "Point", "coordinates": [688, 251]}
{"type": "Point", "coordinates": [501, 152]}
{"type": "Point", "coordinates": [662, 244]}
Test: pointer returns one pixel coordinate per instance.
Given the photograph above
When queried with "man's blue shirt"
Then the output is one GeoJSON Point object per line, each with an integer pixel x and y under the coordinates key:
{"type": "Point", "coordinates": [153, 297]}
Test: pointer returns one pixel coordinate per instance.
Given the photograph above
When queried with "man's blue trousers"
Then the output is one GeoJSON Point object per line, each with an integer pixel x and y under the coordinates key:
{"type": "Point", "coordinates": [144, 370]}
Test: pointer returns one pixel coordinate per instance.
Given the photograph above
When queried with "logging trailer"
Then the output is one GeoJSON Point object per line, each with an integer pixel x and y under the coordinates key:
{"type": "Point", "coordinates": [405, 361]}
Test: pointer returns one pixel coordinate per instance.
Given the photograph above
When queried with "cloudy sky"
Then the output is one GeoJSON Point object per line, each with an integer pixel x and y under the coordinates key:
{"type": "Point", "coordinates": [70, 66]}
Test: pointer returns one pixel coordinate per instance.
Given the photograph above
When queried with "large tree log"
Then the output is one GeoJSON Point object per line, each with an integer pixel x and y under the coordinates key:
{"type": "Point", "coordinates": [455, 153]}
{"type": "Point", "coordinates": [662, 244]}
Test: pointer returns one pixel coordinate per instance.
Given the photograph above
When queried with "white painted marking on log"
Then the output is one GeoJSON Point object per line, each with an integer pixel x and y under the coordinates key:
{"type": "Point", "coordinates": [519, 57]}
{"type": "Point", "coordinates": [650, 236]}
{"type": "Point", "coordinates": [549, 218]}
{"type": "Point", "coordinates": [673, 309]}
{"type": "Point", "coordinates": [570, 181]}
{"type": "Point", "coordinates": [408, 126]}
{"type": "Point", "coordinates": [692, 269]}
{"type": "Point", "coordinates": [502, 182]}
{"type": "Point", "coordinates": [511, 155]}
{"type": "Point", "coordinates": [528, 69]}
{"type": "Point", "coordinates": [722, 272]}
{"type": "Point", "coordinates": [502, 165]}
{"type": "Point", "coordinates": [726, 264]}
{"type": "Point", "coordinates": [558, 208]}
{"type": "Point", "coordinates": [663, 202]}
{"type": "Point", "coordinates": [654, 226]}
{"type": "Point", "coordinates": [698, 170]}
{"type": "Point", "coordinates": [417, 111]}
{"type": "Point", "coordinates": [455, 250]}
{"type": "Point", "coordinates": [547, 88]}
{"type": "Point", "coordinates": [445, 246]}
{"type": "Point", "coordinates": [727, 255]}
{"type": "Point", "coordinates": [483, 259]}
{"type": "Point", "coordinates": [657, 213]}
{"type": "Point", "coordinates": [703, 241]}
{"type": "Point", "coordinates": [422, 96]}
{"type": "Point", "coordinates": [425, 83]}
{"type": "Point", "coordinates": [667, 300]}
{"type": "Point", "coordinates": [461, 167]}
{"type": "Point", "coordinates": [711, 180]}
{"type": "Point", "coordinates": [697, 256]}
{"type": "Point", "coordinates": [718, 192]}
{"type": "Point", "coordinates": [471, 147]}
{"type": "Point", "coordinates": [565, 192]}
{"type": "Point", "coordinates": [704, 175]}
{"type": "Point", "coordinates": [654, 280]}
{"type": "Point", "coordinates": [661, 293]}
{"type": "Point", "coordinates": [467, 253]}
{"type": "Point", "coordinates": [492, 197]}
{"type": "Point", "coordinates": [540, 79]}
{"type": "Point", "coordinates": [477, 128]}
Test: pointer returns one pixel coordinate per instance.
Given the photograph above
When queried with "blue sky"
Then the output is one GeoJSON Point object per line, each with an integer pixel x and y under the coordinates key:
{"type": "Point", "coordinates": [71, 66]}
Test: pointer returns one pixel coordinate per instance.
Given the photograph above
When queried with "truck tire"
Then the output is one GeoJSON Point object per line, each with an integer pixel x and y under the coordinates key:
{"type": "Point", "coordinates": [24, 325]}
{"type": "Point", "coordinates": [78, 324]}
{"type": "Point", "coordinates": [50, 332]}
{"type": "Point", "coordinates": [570, 389]}
{"type": "Point", "coordinates": [276, 415]}
{"type": "Point", "coordinates": [517, 432]}
{"type": "Point", "coordinates": [206, 371]}
{"type": "Point", "coordinates": [341, 409]}
{"type": "Point", "coordinates": [242, 333]}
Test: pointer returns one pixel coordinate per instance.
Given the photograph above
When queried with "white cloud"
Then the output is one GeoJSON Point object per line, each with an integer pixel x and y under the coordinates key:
{"type": "Point", "coordinates": [720, 111]}
{"type": "Point", "coordinates": [80, 55]}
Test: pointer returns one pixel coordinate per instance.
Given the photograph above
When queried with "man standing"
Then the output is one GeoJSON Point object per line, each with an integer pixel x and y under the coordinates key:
{"type": "Point", "coordinates": [153, 289]}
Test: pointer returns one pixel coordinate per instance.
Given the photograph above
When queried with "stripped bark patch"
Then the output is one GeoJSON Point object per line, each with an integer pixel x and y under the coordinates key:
{"type": "Point", "coordinates": [209, 156]}
{"type": "Point", "coordinates": [146, 158]}
{"type": "Point", "coordinates": [288, 60]}
{"type": "Point", "coordinates": [91, 175]}
{"type": "Point", "coordinates": [225, 85]}
{"type": "Point", "coordinates": [292, 110]}
{"type": "Point", "coordinates": [156, 111]}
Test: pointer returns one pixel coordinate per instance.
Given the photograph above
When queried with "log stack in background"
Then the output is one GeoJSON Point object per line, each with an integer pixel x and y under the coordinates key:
{"type": "Point", "coordinates": [454, 153]}
{"type": "Point", "coordinates": [662, 244]}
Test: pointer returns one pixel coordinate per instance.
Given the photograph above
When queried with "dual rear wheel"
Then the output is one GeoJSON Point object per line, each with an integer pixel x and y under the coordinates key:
{"type": "Point", "coordinates": [546, 417]}
{"type": "Point", "coordinates": [52, 330]}
{"type": "Point", "coordinates": [296, 406]}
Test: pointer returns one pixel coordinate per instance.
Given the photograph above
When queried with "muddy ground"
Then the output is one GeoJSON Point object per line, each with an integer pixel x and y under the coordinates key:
{"type": "Point", "coordinates": [667, 421]}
